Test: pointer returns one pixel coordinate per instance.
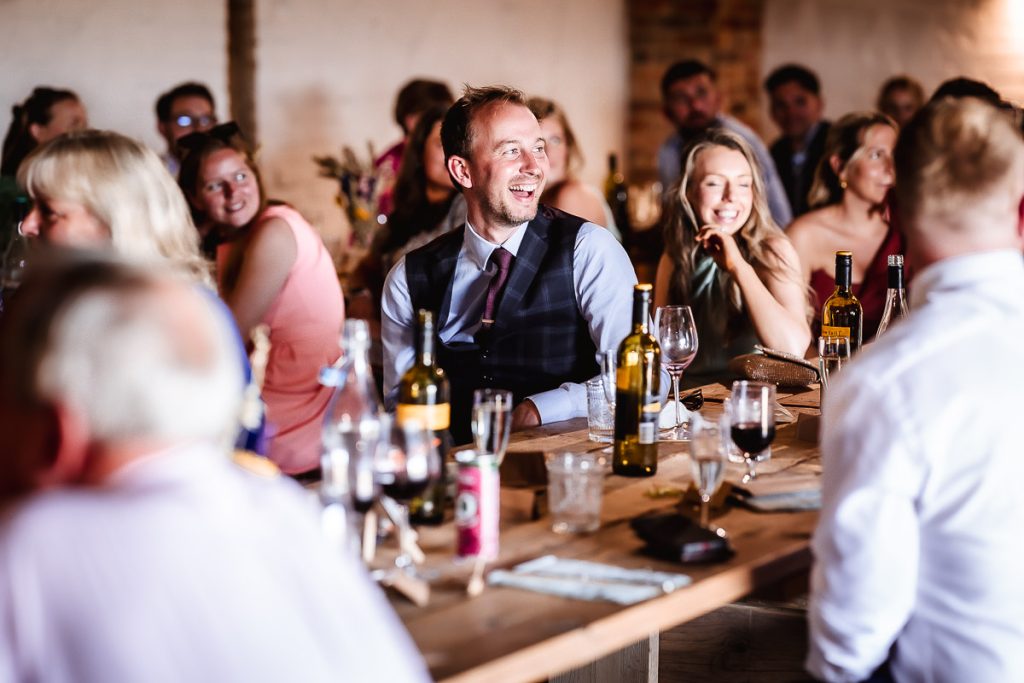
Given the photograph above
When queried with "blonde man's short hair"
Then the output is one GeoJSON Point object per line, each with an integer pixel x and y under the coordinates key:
{"type": "Point", "coordinates": [957, 158]}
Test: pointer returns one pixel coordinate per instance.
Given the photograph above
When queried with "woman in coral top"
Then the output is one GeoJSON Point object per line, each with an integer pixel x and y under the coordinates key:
{"type": "Point", "coordinates": [272, 269]}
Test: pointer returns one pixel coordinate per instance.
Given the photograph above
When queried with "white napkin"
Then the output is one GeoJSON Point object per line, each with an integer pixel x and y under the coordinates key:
{"type": "Point", "coordinates": [784, 492]}
{"type": "Point", "coordinates": [583, 580]}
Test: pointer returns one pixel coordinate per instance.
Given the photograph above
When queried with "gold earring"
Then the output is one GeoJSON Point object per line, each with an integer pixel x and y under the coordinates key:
{"type": "Point", "coordinates": [842, 184]}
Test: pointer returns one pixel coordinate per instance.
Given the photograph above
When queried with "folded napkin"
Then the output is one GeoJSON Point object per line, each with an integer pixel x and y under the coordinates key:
{"type": "Point", "coordinates": [583, 580]}
{"type": "Point", "coordinates": [779, 493]}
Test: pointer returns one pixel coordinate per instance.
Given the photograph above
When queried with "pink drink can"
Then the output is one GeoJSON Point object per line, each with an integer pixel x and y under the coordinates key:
{"type": "Point", "coordinates": [477, 505]}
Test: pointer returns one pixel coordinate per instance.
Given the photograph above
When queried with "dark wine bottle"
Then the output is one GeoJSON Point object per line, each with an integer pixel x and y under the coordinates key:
{"type": "Point", "coordinates": [637, 394]}
{"type": "Point", "coordinates": [616, 193]}
{"type": "Point", "coordinates": [842, 315]}
{"type": "Point", "coordinates": [423, 397]}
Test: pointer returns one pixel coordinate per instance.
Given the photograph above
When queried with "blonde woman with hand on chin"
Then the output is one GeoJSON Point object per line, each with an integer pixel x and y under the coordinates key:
{"type": "Point", "coordinates": [727, 259]}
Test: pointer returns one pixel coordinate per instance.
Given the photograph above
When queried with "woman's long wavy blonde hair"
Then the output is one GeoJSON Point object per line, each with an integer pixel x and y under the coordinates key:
{"type": "Point", "coordinates": [126, 187]}
{"type": "Point", "coordinates": [754, 238]}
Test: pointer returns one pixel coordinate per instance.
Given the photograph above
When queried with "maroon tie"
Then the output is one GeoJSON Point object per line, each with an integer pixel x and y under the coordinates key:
{"type": "Point", "coordinates": [503, 258]}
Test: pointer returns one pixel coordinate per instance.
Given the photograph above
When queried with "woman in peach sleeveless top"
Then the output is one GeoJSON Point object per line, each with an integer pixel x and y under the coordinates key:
{"type": "Point", "coordinates": [273, 269]}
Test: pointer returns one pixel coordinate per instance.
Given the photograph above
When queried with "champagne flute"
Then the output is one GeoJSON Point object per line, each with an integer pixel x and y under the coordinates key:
{"type": "Point", "coordinates": [708, 448]}
{"type": "Point", "coordinates": [752, 420]}
{"type": "Point", "coordinates": [492, 419]}
{"type": "Point", "coordinates": [677, 336]}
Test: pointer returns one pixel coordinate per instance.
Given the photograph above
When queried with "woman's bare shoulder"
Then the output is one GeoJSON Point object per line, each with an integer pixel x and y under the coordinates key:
{"type": "Point", "coordinates": [573, 196]}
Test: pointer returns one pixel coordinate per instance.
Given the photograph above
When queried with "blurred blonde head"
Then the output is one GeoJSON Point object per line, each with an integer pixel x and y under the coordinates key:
{"type": "Point", "coordinates": [126, 187]}
{"type": "Point", "coordinates": [960, 165]}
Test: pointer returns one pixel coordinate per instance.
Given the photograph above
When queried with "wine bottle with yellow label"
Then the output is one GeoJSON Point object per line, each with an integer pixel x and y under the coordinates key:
{"type": "Point", "coordinates": [423, 397]}
{"type": "Point", "coordinates": [842, 315]}
{"type": "Point", "coordinates": [637, 394]}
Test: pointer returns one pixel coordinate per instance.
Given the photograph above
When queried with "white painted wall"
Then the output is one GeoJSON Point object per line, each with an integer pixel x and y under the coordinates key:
{"type": "Point", "coordinates": [856, 46]}
{"type": "Point", "coordinates": [118, 55]}
{"type": "Point", "coordinates": [329, 71]}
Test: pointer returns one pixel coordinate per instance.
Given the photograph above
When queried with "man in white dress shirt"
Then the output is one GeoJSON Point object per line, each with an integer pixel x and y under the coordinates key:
{"type": "Point", "coordinates": [524, 295]}
{"type": "Point", "coordinates": [157, 558]}
{"type": "Point", "coordinates": [918, 559]}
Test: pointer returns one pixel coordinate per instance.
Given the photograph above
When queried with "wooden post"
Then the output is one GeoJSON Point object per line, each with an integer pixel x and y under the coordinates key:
{"type": "Point", "coordinates": [242, 66]}
{"type": "Point", "coordinates": [637, 663]}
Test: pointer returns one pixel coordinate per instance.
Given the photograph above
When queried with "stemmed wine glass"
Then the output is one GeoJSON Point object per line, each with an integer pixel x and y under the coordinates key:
{"type": "Point", "coordinates": [677, 336]}
{"type": "Point", "coordinates": [752, 420]}
{"type": "Point", "coordinates": [492, 420]}
{"type": "Point", "coordinates": [407, 461]}
{"type": "Point", "coordinates": [708, 449]}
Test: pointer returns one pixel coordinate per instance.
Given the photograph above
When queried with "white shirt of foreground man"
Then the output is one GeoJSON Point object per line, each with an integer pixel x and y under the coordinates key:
{"type": "Point", "coordinates": [151, 556]}
{"type": "Point", "coordinates": [186, 568]}
{"type": "Point", "coordinates": [917, 553]}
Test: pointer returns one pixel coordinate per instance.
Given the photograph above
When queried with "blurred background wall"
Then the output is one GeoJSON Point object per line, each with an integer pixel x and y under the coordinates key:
{"type": "Point", "coordinates": [327, 70]}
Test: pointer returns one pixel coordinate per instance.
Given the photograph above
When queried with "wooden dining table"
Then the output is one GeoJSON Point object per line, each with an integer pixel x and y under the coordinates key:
{"type": "Point", "coordinates": [505, 634]}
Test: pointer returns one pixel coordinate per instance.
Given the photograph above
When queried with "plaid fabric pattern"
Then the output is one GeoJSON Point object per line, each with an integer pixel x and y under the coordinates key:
{"type": "Point", "coordinates": [539, 338]}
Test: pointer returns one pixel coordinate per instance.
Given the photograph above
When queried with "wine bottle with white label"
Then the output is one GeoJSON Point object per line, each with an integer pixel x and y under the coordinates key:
{"type": "Point", "coordinates": [637, 394]}
{"type": "Point", "coordinates": [423, 397]}
{"type": "Point", "coordinates": [842, 315]}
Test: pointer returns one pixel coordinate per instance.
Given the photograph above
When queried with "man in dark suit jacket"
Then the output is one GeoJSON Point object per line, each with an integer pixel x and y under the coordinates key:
{"type": "Point", "coordinates": [796, 108]}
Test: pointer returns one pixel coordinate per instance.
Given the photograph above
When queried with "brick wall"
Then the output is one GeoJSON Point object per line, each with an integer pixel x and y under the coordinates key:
{"type": "Point", "coordinates": [724, 33]}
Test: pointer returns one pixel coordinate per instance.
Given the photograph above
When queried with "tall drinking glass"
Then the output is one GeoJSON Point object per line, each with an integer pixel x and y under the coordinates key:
{"type": "Point", "coordinates": [677, 336]}
{"type": "Point", "coordinates": [833, 354]}
{"type": "Point", "coordinates": [492, 420]}
{"type": "Point", "coordinates": [708, 456]}
{"type": "Point", "coordinates": [752, 420]}
{"type": "Point", "coordinates": [608, 360]}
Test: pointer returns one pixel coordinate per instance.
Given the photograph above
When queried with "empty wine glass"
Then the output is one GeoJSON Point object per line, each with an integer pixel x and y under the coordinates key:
{"type": "Point", "coordinates": [708, 448]}
{"type": "Point", "coordinates": [406, 463]}
{"type": "Point", "coordinates": [677, 336]}
{"type": "Point", "coordinates": [492, 420]}
{"type": "Point", "coordinates": [752, 420]}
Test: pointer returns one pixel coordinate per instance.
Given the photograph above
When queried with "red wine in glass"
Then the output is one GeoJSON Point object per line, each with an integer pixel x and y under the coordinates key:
{"type": "Point", "coordinates": [753, 437]}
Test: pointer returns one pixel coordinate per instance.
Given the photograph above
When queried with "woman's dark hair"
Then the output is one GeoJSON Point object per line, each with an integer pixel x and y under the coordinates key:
{"type": "Point", "coordinates": [198, 146]}
{"type": "Point", "coordinates": [410, 215]}
{"type": "Point", "coordinates": [35, 110]}
{"type": "Point", "coordinates": [844, 138]}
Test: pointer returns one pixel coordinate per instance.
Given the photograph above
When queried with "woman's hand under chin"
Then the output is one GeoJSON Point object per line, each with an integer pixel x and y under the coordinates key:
{"type": "Point", "coordinates": [722, 247]}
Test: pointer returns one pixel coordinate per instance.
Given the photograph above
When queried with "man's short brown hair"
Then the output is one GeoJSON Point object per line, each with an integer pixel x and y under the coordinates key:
{"type": "Point", "coordinates": [456, 130]}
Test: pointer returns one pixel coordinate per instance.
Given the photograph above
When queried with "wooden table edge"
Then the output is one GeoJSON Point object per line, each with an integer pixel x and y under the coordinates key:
{"type": "Point", "coordinates": [619, 630]}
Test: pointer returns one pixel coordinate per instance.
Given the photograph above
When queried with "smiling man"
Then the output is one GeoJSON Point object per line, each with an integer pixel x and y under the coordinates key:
{"type": "Point", "coordinates": [796, 108]}
{"type": "Point", "coordinates": [524, 294]}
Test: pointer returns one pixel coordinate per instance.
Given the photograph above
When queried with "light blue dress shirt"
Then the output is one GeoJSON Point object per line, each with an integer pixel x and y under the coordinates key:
{"type": "Point", "coordinates": [603, 280]}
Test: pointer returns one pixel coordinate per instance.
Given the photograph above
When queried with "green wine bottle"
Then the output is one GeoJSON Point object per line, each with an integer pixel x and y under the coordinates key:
{"type": "Point", "coordinates": [423, 397]}
{"type": "Point", "coordinates": [637, 394]}
{"type": "Point", "coordinates": [842, 315]}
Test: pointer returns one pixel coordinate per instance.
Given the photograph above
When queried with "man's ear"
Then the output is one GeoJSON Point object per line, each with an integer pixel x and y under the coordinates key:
{"type": "Point", "coordinates": [458, 168]}
{"type": "Point", "coordinates": [69, 445]}
{"type": "Point", "coordinates": [34, 129]}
